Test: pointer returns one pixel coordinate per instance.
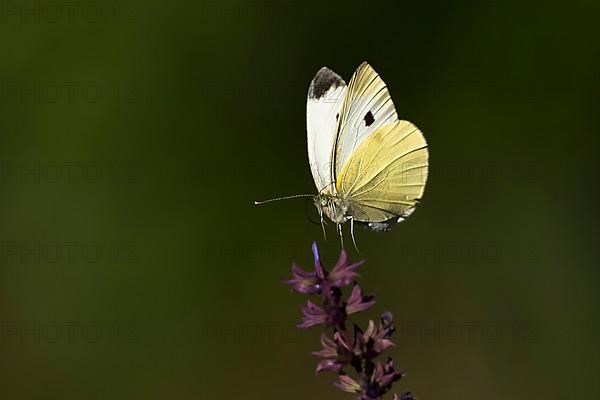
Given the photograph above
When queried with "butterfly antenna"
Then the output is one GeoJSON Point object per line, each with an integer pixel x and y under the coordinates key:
{"type": "Point", "coordinates": [258, 203]}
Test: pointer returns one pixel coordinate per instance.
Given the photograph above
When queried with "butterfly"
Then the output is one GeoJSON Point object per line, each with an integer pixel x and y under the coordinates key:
{"type": "Point", "coordinates": [369, 166]}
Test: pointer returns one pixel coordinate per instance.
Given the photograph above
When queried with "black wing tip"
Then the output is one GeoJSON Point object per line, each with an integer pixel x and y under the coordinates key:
{"type": "Point", "coordinates": [324, 80]}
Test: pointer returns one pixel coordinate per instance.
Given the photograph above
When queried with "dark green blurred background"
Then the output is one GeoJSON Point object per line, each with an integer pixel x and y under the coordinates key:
{"type": "Point", "coordinates": [136, 135]}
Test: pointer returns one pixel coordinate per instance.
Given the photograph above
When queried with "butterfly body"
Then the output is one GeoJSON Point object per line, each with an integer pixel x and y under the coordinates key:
{"type": "Point", "coordinates": [334, 207]}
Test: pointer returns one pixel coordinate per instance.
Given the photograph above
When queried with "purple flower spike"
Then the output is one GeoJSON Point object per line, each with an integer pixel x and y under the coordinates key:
{"type": "Point", "coordinates": [313, 315]}
{"type": "Point", "coordinates": [315, 250]}
{"type": "Point", "coordinates": [347, 384]}
{"type": "Point", "coordinates": [344, 273]}
{"type": "Point", "coordinates": [347, 350]}
{"type": "Point", "coordinates": [357, 302]}
{"type": "Point", "coordinates": [319, 280]}
{"type": "Point", "coordinates": [329, 365]}
{"type": "Point", "coordinates": [319, 270]}
{"type": "Point", "coordinates": [376, 339]}
{"type": "Point", "coordinates": [304, 282]}
{"type": "Point", "coordinates": [329, 348]}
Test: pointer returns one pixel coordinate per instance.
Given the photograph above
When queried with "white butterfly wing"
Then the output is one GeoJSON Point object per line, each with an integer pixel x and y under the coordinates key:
{"type": "Point", "coordinates": [325, 97]}
{"type": "Point", "coordinates": [367, 107]}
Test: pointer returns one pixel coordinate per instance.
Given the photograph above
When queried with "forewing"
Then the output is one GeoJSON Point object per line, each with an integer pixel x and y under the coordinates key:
{"type": "Point", "coordinates": [325, 97]}
{"type": "Point", "coordinates": [366, 108]}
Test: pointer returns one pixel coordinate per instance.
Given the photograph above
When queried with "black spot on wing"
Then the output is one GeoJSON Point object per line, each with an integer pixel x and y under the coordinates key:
{"type": "Point", "coordinates": [369, 119]}
{"type": "Point", "coordinates": [322, 82]}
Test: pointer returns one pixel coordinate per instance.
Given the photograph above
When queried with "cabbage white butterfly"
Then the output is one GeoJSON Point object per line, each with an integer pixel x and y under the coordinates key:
{"type": "Point", "coordinates": [369, 167]}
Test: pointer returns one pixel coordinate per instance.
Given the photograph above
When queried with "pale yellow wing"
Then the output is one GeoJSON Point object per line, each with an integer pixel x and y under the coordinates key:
{"type": "Point", "coordinates": [385, 176]}
{"type": "Point", "coordinates": [367, 106]}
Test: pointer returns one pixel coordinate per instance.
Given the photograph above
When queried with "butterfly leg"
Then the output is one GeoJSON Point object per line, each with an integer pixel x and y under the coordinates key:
{"type": "Point", "coordinates": [323, 227]}
{"type": "Point", "coordinates": [352, 233]}
{"type": "Point", "coordinates": [339, 226]}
